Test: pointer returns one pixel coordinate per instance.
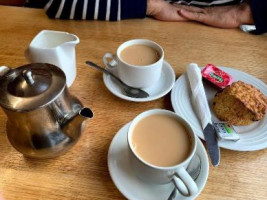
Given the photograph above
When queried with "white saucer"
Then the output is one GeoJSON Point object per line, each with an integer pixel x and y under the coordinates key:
{"type": "Point", "coordinates": [252, 137]}
{"type": "Point", "coordinates": [131, 186]}
{"type": "Point", "coordinates": [161, 88]}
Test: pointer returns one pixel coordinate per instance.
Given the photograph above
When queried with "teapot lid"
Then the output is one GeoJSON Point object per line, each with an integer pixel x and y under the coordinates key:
{"type": "Point", "coordinates": [31, 86]}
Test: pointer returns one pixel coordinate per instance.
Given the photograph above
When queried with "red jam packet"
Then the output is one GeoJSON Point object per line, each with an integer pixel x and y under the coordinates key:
{"type": "Point", "coordinates": [217, 76]}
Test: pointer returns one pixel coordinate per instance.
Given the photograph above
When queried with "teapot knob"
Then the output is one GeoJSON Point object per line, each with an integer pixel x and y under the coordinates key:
{"type": "Point", "coordinates": [27, 74]}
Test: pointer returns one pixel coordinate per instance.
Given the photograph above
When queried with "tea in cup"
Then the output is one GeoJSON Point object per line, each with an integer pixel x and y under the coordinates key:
{"type": "Point", "coordinates": [162, 145]}
{"type": "Point", "coordinates": [138, 62]}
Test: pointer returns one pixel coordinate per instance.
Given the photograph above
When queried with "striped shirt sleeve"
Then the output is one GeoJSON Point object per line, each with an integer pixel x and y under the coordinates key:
{"type": "Point", "coordinates": [259, 13]}
{"type": "Point", "coordinates": [109, 10]}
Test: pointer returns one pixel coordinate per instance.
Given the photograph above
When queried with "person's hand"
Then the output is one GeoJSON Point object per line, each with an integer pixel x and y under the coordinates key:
{"type": "Point", "coordinates": [221, 16]}
{"type": "Point", "coordinates": [161, 10]}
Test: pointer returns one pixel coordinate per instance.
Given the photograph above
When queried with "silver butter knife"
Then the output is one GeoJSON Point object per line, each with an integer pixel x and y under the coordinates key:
{"type": "Point", "coordinates": [203, 113]}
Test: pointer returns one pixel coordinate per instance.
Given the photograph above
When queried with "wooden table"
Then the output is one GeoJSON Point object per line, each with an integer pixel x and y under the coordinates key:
{"type": "Point", "coordinates": [82, 173]}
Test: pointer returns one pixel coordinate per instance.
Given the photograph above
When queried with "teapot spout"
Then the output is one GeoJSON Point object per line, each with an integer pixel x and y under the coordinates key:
{"type": "Point", "coordinates": [74, 126]}
{"type": "Point", "coordinates": [85, 113]}
{"type": "Point", "coordinates": [81, 116]}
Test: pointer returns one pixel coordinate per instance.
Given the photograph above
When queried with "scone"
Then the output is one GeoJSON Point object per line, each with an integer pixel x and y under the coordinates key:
{"type": "Point", "coordinates": [240, 104]}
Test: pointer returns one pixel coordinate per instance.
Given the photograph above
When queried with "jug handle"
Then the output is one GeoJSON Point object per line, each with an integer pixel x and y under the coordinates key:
{"type": "Point", "coordinates": [3, 70]}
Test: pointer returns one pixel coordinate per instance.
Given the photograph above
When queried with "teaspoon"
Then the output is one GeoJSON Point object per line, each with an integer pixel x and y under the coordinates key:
{"type": "Point", "coordinates": [129, 91]}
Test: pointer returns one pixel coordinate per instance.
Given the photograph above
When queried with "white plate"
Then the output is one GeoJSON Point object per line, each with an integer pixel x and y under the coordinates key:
{"type": "Point", "coordinates": [158, 90]}
{"type": "Point", "coordinates": [252, 137]}
{"type": "Point", "coordinates": [132, 187]}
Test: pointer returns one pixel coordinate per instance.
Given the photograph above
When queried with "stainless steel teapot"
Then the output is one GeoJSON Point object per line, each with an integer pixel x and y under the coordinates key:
{"type": "Point", "coordinates": [44, 120]}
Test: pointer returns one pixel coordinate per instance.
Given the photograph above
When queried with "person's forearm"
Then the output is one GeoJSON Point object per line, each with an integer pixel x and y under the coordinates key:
{"type": "Point", "coordinates": [163, 10]}
{"type": "Point", "coordinates": [244, 14]}
{"type": "Point", "coordinates": [153, 6]}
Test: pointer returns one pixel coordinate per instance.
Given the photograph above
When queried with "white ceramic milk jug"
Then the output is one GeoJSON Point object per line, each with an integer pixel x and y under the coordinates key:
{"type": "Point", "coordinates": [57, 48]}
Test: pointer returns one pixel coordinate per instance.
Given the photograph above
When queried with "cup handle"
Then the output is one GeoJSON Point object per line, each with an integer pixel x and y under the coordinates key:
{"type": "Point", "coordinates": [184, 183]}
{"type": "Point", "coordinates": [110, 64]}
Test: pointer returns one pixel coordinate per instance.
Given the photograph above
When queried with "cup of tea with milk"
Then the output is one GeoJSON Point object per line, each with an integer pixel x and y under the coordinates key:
{"type": "Point", "coordinates": [162, 145]}
{"type": "Point", "coordinates": [138, 62]}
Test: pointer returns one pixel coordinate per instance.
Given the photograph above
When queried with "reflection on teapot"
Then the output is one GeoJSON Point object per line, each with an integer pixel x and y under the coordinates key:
{"type": "Point", "coordinates": [44, 120]}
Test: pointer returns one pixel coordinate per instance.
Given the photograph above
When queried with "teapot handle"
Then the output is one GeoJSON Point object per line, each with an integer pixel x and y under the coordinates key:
{"type": "Point", "coordinates": [3, 70]}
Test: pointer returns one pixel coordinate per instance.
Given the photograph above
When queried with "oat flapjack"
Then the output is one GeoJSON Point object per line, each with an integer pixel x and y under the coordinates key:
{"type": "Point", "coordinates": [240, 104]}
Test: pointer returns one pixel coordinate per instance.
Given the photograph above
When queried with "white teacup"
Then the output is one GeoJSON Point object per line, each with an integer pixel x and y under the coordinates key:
{"type": "Point", "coordinates": [132, 75]}
{"type": "Point", "coordinates": [57, 48]}
{"type": "Point", "coordinates": [162, 175]}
